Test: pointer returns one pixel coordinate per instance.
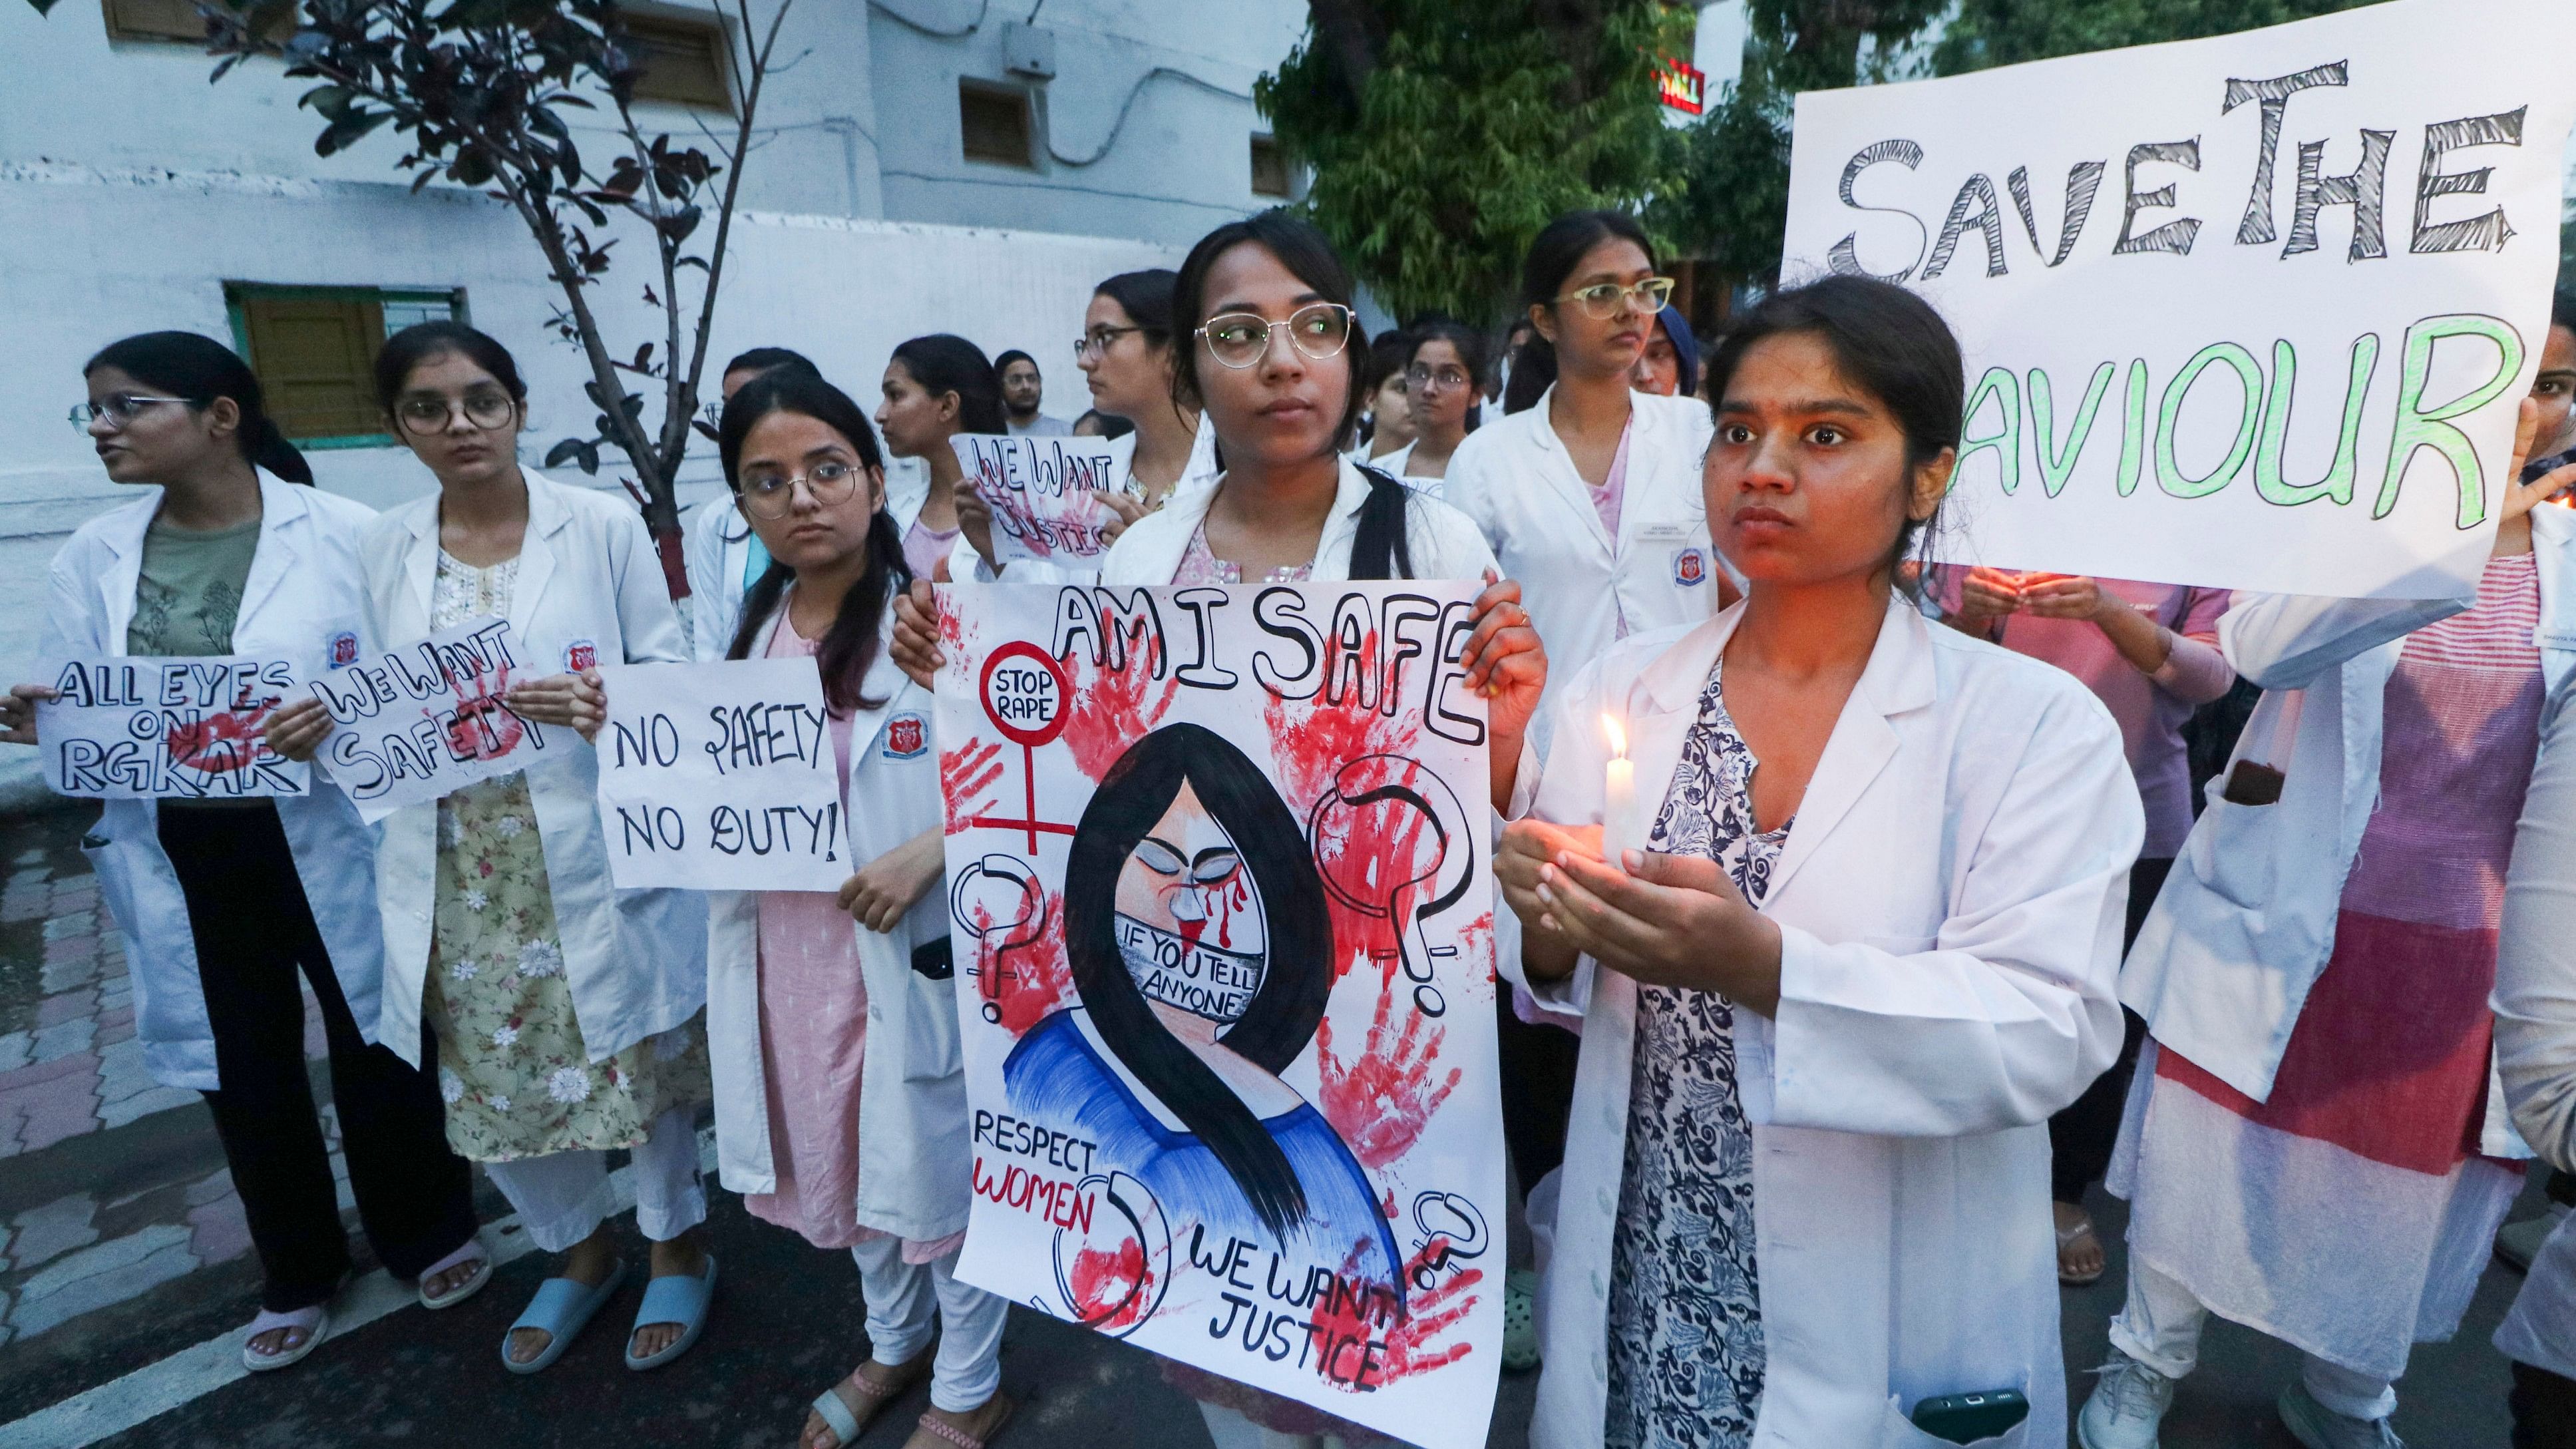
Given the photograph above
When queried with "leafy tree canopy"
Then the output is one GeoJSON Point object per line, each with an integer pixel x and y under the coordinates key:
{"type": "Point", "coordinates": [1442, 136]}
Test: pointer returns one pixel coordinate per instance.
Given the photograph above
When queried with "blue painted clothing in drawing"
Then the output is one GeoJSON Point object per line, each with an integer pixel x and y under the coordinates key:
{"type": "Point", "coordinates": [1056, 1076]}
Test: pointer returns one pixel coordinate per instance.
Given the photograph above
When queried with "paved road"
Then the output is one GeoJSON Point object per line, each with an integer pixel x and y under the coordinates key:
{"type": "Point", "coordinates": [125, 1273]}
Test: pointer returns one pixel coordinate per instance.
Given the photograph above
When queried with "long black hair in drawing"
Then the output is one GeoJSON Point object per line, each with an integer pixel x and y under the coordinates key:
{"type": "Point", "coordinates": [850, 645]}
{"type": "Point", "coordinates": [1297, 932]}
{"type": "Point", "coordinates": [197, 370]}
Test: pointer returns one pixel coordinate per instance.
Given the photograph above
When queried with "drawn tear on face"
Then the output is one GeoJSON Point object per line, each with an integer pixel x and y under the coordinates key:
{"type": "Point", "coordinates": [1188, 916]}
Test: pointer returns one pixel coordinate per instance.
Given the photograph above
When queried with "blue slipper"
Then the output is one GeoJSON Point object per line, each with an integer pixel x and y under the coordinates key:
{"type": "Point", "coordinates": [674, 1299]}
{"type": "Point", "coordinates": [561, 1309]}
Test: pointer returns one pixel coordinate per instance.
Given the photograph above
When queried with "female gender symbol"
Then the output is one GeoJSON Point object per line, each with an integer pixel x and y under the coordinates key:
{"type": "Point", "coordinates": [1028, 699]}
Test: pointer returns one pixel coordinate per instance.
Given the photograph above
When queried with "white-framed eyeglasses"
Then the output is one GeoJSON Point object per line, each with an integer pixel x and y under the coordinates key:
{"type": "Point", "coordinates": [1319, 330]}
{"type": "Point", "coordinates": [119, 408]}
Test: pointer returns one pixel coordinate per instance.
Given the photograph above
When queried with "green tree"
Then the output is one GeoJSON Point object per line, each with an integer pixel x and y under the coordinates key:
{"type": "Point", "coordinates": [2005, 32]}
{"type": "Point", "coordinates": [1734, 201]}
{"type": "Point", "coordinates": [1442, 135]}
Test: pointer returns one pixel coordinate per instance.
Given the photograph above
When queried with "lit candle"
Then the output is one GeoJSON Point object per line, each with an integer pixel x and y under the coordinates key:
{"type": "Point", "coordinates": [1618, 798]}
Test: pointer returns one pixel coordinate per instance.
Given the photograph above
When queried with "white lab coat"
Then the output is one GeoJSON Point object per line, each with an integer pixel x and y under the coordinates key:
{"type": "Point", "coordinates": [588, 575]}
{"type": "Point", "coordinates": [1514, 477]}
{"type": "Point", "coordinates": [305, 588]}
{"type": "Point", "coordinates": [913, 1145]}
{"type": "Point", "coordinates": [1950, 902]}
{"type": "Point", "coordinates": [1444, 543]}
{"type": "Point", "coordinates": [717, 553]}
{"type": "Point", "coordinates": [2535, 1033]}
{"type": "Point", "coordinates": [2246, 922]}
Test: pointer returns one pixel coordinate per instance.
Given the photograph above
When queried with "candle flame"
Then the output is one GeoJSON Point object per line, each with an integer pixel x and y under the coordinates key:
{"type": "Point", "coordinates": [1618, 736]}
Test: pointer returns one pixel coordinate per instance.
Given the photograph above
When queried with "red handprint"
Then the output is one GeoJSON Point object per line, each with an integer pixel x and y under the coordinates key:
{"type": "Point", "coordinates": [1380, 1101]}
{"type": "Point", "coordinates": [1411, 1344]}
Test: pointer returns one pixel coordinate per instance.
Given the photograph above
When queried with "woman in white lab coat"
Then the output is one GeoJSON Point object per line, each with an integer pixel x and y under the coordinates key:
{"type": "Point", "coordinates": [1444, 371]}
{"type": "Point", "coordinates": [1861, 943]}
{"type": "Point", "coordinates": [840, 1090]}
{"type": "Point", "coordinates": [1591, 497]}
{"type": "Point", "coordinates": [224, 903]}
{"type": "Point", "coordinates": [565, 1009]}
{"type": "Point", "coordinates": [1274, 358]}
{"type": "Point", "coordinates": [724, 558]}
{"type": "Point", "coordinates": [2314, 1143]}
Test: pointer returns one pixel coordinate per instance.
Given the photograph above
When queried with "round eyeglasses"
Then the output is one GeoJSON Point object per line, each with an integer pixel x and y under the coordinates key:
{"type": "Point", "coordinates": [1239, 339]}
{"type": "Point", "coordinates": [773, 495]}
{"type": "Point", "coordinates": [485, 408]}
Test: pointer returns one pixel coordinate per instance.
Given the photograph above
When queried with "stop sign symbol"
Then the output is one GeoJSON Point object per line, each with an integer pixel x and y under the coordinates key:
{"type": "Point", "coordinates": [1024, 694]}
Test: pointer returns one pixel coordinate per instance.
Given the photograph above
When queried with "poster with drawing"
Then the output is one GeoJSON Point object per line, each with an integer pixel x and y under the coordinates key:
{"type": "Point", "coordinates": [416, 722]}
{"type": "Point", "coordinates": [1040, 491]}
{"type": "Point", "coordinates": [130, 728]}
{"type": "Point", "coordinates": [2255, 311]}
{"type": "Point", "coordinates": [1220, 898]}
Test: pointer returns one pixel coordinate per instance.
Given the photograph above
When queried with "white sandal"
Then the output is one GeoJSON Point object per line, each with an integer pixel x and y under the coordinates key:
{"type": "Point", "coordinates": [315, 1321]}
{"type": "Point", "coordinates": [472, 1252]}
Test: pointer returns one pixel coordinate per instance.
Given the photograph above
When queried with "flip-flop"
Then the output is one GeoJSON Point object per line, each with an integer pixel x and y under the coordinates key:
{"type": "Point", "coordinates": [471, 1252]}
{"type": "Point", "coordinates": [847, 1426]}
{"type": "Point", "coordinates": [2067, 1238]}
{"type": "Point", "coordinates": [315, 1321]}
{"type": "Point", "coordinates": [674, 1299]}
{"type": "Point", "coordinates": [963, 1440]}
{"type": "Point", "coordinates": [560, 1310]}
{"type": "Point", "coordinates": [1520, 1321]}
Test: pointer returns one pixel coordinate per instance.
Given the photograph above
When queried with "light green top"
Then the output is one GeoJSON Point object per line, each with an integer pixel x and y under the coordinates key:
{"type": "Point", "coordinates": [190, 590]}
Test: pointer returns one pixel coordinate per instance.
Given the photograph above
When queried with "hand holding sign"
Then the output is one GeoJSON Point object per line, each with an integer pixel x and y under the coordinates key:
{"type": "Point", "coordinates": [422, 720]}
{"type": "Point", "coordinates": [192, 729]}
{"type": "Point", "coordinates": [716, 776]}
{"type": "Point", "coordinates": [1041, 493]}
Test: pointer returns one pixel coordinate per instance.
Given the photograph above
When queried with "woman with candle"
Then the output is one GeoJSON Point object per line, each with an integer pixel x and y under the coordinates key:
{"type": "Point", "coordinates": [1863, 946]}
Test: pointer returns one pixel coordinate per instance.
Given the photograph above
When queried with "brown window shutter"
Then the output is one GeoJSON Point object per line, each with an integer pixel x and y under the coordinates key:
{"type": "Point", "coordinates": [682, 61]}
{"type": "Point", "coordinates": [315, 356]}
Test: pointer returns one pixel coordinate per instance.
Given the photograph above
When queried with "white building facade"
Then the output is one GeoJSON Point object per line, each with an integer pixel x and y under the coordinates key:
{"type": "Point", "coordinates": [920, 166]}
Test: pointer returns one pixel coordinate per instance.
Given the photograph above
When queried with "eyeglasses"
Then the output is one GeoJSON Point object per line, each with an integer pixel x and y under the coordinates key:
{"type": "Point", "coordinates": [1603, 302]}
{"type": "Point", "coordinates": [1240, 339]}
{"type": "Point", "coordinates": [119, 409]}
{"type": "Point", "coordinates": [485, 408]}
{"type": "Point", "coordinates": [1212, 867]}
{"type": "Point", "coordinates": [772, 495]}
{"type": "Point", "coordinates": [1098, 340]}
{"type": "Point", "coordinates": [1423, 379]}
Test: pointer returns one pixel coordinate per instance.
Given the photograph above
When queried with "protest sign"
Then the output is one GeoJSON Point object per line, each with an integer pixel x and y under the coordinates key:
{"type": "Point", "coordinates": [1220, 899]}
{"type": "Point", "coordinates": [1040, 492]}
{"type": "Point", "coordinates": [720, 777]}
{"type": "Point", "coordinates": [129, 728]}
{"type": "Point", "coordinates": [2252, 312]}
{"type": "Point", "coordinates": [414, 723]}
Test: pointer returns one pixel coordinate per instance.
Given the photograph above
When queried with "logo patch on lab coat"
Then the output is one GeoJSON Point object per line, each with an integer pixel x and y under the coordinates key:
{"type": "Point", "coordinates": [342, 649]}
{"type": "Point", "coordinates": [581, 654]}
{"type": "Point", "coordinates": [1690, 568]}
{"type": "Point", "coordinates": [905, 738]}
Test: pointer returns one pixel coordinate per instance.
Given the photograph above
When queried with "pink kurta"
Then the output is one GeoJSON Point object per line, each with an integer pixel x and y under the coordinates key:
{"type": "Point", "coordinates": [813, 1040]}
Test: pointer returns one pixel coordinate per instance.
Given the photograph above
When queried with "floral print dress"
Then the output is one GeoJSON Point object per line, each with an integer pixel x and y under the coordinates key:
{"type": "Point", "coordinates": [516, 1077]}
{"type": "Point", "coordinates": [1686, 1353]}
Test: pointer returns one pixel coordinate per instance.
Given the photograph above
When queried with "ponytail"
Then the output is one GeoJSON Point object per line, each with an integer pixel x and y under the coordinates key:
{"type": "Point", "coordinates": [199, 370]}
{"type": "Point", "coordinates": [1379, 549]}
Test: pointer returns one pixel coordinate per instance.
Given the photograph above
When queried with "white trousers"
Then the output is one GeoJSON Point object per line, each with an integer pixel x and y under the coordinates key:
{"type": "Point", "coordinates": [563, 1197]}
{"type": "Point", "coordinates": [907, 1300]}
{"type": "Point", "coordinates": [2160, 1327]}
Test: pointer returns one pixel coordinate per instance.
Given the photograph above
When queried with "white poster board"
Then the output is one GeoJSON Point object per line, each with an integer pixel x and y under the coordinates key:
{"type": "Point", "coordinates": [2248, 312]}
{"type": "Point", "coordinates": [131, 728]}
{"type": "Point", "coordinates": [720, 777]}
{"type": "Point", "coordinates": [412, 724]}
{"type": "Point", "coordinates": [1040, 488]}
{"type": "Point", "coordinates": [1251, 819]}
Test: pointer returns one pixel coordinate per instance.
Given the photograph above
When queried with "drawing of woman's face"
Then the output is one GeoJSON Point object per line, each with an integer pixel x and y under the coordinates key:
{"type": "Point", "coordinates": [1188, 918]}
